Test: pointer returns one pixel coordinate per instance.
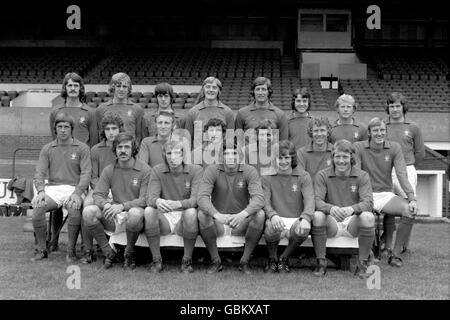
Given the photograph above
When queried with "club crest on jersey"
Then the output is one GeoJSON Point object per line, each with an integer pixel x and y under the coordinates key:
{"type": "Point", "coordinates": [407, 133]}
{"type": "Point", "coordinates": [294, 187]}
{"type": "Point", "coordinates": [187, 185]}
{"type": "Point", "coordinates": [353, 188]}
{"type": "Point", "coordinates": [73, 156]}
{"type": "Point", "coordinates": [356, 135]}
{"type": "Point", "coordinates": [82, 120]}
{"type": "Point", "coordinates": [134, 182]}
{"type": "Point", "coordinates": [130, 113]}
{"type": "Point", "coordinates": [329, 162]}
{"type": "Point", "coordinates": [387, 158]}
{"type": "Point", "coordinates": [240, 184]}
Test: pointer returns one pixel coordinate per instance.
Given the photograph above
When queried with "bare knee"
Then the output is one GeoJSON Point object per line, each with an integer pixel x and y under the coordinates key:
{"type": "Point", "coordinates": [269, 231]}
{"type": "Point", "coordinates": [405, 210]}
{"type": "Point", "coordinates": [190, 216]}
{"type": "Point", "coordinates": [204, 219]}
{"type": "Point", "coordinates": [319, 219]}
{"type": "Point", "coordinates": [150, 214]}
{"type": "Point", "coordinates": [90, 214]}
{"type": "Point", "coordinates": [258, 219]}
{"type": "Point", "coordinates": [135, 216]}
{"type": "Point", "coordinates": [366, 219]}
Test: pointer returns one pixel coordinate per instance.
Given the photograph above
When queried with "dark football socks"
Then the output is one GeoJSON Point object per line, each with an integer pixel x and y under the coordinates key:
{"type": "Point", "coordinates": [294, 242]}
{"type": "Point", "coordinates": [153, 239]}
{"type": "Point", "coordinates": [88, 240]}
{"type": "Point", "coordinates": [132, 237]}
{"type": "Point", "coordinates": [189, 238]}
{"type": "Point", "coordinates": [73, 229]}
{"type": "Point", "coordinates": [389, 228]}
{"type": "Point", "coordinates": [40, 231]}
{"type": "Point", "coordinates": [319, 240]}
{"type": "Point", "coordinates": [57, 222]}
{"type": "Point", "coordinates": [252, 237]}
{"type": "Point", "coordinates": [365, 241]}
{"type": "Point", "coordinates": [403, 232]}
{"type": "Point", "coordinates": [98, 232]}
{"type": "Point", "coordinates": [209, 237]}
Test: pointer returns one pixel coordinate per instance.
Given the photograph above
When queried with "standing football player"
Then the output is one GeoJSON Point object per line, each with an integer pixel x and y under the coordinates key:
{"type": "Point", "coordinates": [262, 108]}
{"type": "Point", "coordinates": [346, 127]}
{"type": "Point", "coordinates": [131, 113]}
{"type": "Point", "coordinates": [299, 118]}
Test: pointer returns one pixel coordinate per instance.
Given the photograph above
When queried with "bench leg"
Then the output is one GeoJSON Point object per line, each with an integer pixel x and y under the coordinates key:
{"type": "Point", "coordinates": [344, 261]}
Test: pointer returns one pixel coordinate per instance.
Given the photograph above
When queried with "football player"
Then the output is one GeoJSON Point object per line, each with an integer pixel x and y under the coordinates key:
{"type": "Point", "coordinates": [127, 178]}
{"type": "Point", "coordinates": [299, 118]}
{"type": "Point", "coordinates": [67, 163]}
{"type": "Point", "coordinates": [261, 109]}
{"type": "Point", "coordinates": [344, 203]}
{"type": "Point", "coordinates": [151, 149]}
{"type": "Point", "coordinates": [131, 113]}
{"type": "Point", "coordinates": [316, 155]}
{"type": "Point", "coordinates": [165, 97]}
{"type": "Point", "coordinates": [378, 156]}
{"type": "Point", "coordinates": [289, 206]}
{"type": "Point", "coordinates": [208, 105]}
{"type": "Point", "coordinates": [172, 204]}
{"type": "Point", "coordinates": [409, 136]}
{"type": "Point", "coordinates": [84, 130]}
{"type": "Point", "coordinates": [101, 156]}
{"type": "Point", "coordinates": [230, 194]}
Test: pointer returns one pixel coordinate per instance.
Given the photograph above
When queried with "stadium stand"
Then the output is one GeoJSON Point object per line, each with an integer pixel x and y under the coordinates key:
{"type": "Point", "coordinates": [44, 65]}
{"type": "Point", "coordinates": [420, 74]}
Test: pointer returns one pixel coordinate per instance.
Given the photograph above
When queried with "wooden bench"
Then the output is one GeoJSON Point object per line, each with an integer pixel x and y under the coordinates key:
{"type": "Point", "coordinates": [339, 249]}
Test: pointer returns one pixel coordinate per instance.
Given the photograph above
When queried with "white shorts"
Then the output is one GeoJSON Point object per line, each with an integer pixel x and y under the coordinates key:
{"type": "Point", "coordinates": [380, 199]}
{"type": "Point", "coordinates": [60, 194]}
{"type": "Point", "coordinates": [412, 178]}
{"type": "Point", "coordinates": [288, 222]}
{"type": "Point", "coordinates": [342, 228]}
{"type": "Point", "coordinates": [173, 217]}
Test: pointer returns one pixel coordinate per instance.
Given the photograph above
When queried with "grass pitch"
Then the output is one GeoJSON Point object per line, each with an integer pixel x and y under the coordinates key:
{"type": "Point", "coordinates": [425, 275]}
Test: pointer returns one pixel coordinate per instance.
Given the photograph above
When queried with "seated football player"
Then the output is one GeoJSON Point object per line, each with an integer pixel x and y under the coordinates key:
{"type": "Point", "coordinates": [151, 149]}
{"type": "Point", "coordinates": [84, 130]}
{"type": "Point", "coordinates": [410, 138]}
{"type": "Point", "coordinates": [127, 178]}
{"type": "Point", "coordinates": [67, 163]}
{"type": "Point", "coordinates": [101, 156]}
{"type": "Point", "coordinates": [230, 194]}
{"type": "Point", "coordinates": [344, 203]}
{"type": "Point", "coordinates": [289, 206]}
{"type": "Point", "coordinates": [316, 155]}
{"type": "Point", "coordinates": [378, 157]}
{"type": "Point", "coordinates": [346, 127]}
{"type": "Point", "coordinates": [172, 205]}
